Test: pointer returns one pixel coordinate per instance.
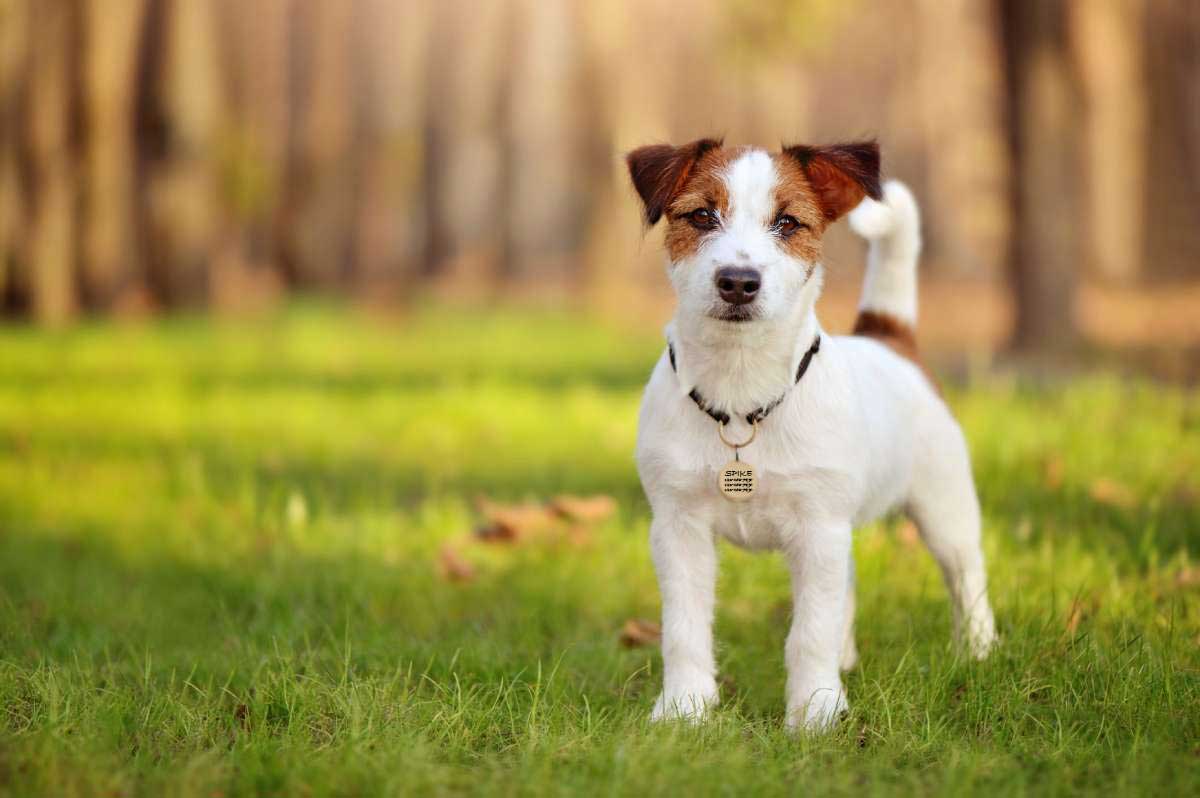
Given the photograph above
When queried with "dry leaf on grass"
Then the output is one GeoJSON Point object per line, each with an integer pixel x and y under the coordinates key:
{"type": "Point", "coordinates": [1188, 577]}
{"type": "Point", "coordinates": [564, 518]}
{"type": "Point", "coordinates": [1113, 493]}
{"type": "Point", "coordinates": [453, 566]}
{"type": "Point", "coordinates": [1081, 610]}
{"type": "Point", "coordinates": [509, 523]}
{"type": "Point", "coordinates": [1075, 618]}
{"type": "Point", "coordinates": [242, 715]}
{"type": "Point", "coordinates": [959, 693]}
{"type": "Point", "coordinates": [639, 632]}
{"type": "Point", "coordinates": [1052, 471]}
{"type": "Point", "coordinates": [579, 535]}
{"type": "Point", "coordinates": [584, 509]}
{"type": "Point", "coordinates": [1186, 494]}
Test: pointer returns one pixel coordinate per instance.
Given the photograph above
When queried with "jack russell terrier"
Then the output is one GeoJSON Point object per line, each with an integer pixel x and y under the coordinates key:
{"type": "Point", "coordinates": [759, 427]}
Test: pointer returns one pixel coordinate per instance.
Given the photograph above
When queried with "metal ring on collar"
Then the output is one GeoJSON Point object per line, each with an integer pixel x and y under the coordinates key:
{"type": "Point", "coordinates": [731, 444]}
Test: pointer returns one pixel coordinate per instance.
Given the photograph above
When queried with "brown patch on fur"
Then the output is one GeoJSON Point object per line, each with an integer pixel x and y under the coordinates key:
{"type": "Point", "coordinates": [896, 335]}
{"type": "Point", "coordinates": [705, 188]}
{"type": "Point", "coordinates": [795, 196]}
{"type": "Point", "coordinates": [840, 174]}
{"type": "Point", "coordinates": [660, 171]}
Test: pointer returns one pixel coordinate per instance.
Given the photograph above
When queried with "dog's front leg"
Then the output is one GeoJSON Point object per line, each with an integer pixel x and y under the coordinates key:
{"type": "Point", "coordinates": [685, 560]}
{"type": "Point", "coordinates": [818, 556]}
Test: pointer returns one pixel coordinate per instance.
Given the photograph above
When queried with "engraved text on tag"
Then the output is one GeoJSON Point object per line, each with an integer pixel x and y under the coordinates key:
{"type": "Point", "coordinates": [738, 481]}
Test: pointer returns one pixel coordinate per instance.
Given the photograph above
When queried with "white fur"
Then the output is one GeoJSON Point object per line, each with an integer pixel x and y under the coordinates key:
{"type": "Point", "coordinates": [894, 229]}
{"type": "Point", "coordinates": [862, 433]}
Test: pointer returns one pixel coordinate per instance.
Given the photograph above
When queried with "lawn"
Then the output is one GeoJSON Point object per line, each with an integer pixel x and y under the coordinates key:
{"type": "Point", "coordinates": [223, 571]}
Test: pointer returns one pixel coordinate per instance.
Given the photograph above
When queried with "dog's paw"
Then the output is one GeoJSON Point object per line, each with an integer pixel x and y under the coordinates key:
{"type": "Point", "coordinates": [686, 703]}
{"type": "Point", "coordinates": [981, 635]}
{"type": "Point", "coordinates": [983, 644]}
{"type": "Point", "coordinates": [819, 710]}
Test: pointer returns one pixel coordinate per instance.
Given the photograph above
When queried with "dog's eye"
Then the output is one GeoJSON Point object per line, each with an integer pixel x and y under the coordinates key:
{"type": "Point", "coordinates": [786, 225]}
{"type": "Point", "coordinates": [703, 219]}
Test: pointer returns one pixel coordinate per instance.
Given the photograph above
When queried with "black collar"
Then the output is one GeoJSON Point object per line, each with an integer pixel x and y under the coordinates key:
{"type": "Point", "coordinates": [758, 414]}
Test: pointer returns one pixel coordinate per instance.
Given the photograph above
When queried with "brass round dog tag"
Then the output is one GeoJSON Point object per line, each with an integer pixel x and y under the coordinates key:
{"type": "Point", "coordinates": [738, 481]}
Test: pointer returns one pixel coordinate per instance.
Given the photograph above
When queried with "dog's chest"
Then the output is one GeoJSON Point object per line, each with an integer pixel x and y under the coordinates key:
{"type": "Point", "coordinates": [799, 455]}
{"type": "Point", "coordinates": [759, 521]}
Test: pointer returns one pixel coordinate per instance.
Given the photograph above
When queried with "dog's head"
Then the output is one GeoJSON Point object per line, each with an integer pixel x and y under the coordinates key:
{"type": "Point", "coordinates": [744, 226]}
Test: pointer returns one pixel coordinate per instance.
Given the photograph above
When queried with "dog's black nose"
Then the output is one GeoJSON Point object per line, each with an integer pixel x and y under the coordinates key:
{"type": "Point", "coordinates": [738, 286]}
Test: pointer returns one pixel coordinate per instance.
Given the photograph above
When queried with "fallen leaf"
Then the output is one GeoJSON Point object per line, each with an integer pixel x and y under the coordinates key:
{"type": "Point", "coordinates": [1113, 493]}
{"type": "Point", "coordinates": [511, 523]}
{"type": "Point", "coordinates": [638, 632]}
{"type": "Point", "coordinates": [1186, 494]}
{"type": "Point", "coordinates": [1052, 471]}
{"type": "Point", "coordinates": [959, 692]}
{"type": "Point", "coordinates": [453, 566]}
{"type": "Point", "coordinates": [1081, 610]}
{"type": "Point", "coordinates": [907, 534]}
{"type": "Point", "coordinates": [242, 715]}
{"type": "Point", "coordinates": [585, 509]}
{"type": "Point", "coordinates": [579, 535]}
{"type": "Point", "coordinates": [1188, 577]}
{"type": "Point", "coordinates": [1074, 619]}
{"type": "Point", "coordinates": [496, 533]}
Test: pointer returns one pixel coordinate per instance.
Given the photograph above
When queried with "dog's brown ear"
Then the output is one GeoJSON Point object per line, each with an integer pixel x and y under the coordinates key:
{"type": "Point", "coordinates": [659, 172]}
{"type": "Point", "coordinates": [840, 174]}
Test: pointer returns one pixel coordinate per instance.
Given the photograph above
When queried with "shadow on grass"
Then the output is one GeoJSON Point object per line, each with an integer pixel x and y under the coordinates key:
{"type": "Point", "coordinates": [152, 625]}
{"type": "Point", "coordinates": [361, 382]}
{"type": "Point", "coordinates": [1142, 534]}
{"type": "Point", "coordinates": [70, 599]}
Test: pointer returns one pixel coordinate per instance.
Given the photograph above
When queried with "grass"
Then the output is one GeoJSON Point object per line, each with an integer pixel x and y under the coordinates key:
{"type": "Point", "coordinates": [218, 576]}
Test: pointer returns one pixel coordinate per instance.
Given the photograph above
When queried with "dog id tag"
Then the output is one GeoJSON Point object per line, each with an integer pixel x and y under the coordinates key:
{"type": "Point", "coordinates": [738, 481]}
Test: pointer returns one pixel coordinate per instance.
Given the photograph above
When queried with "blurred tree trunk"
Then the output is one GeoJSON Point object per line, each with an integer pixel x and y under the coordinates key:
{"type": "Point", "coordinates": [1172, 185]}
{"type": "Point", "coordinates": [1108, 37]}
{"type": "Point", "coordinates": [256, 150]}
{"type": "Point", "coordinates": [1046, 135]}
{"type": "Point", "coordinates": [321, 206]}
{"type": "Point", "coordinates": [180, 123]}
{"type": "Point", "coordinates": [110, 255]}
{"type": "Point", "coordinates": [464, 162]}
{"type": "Point", "coordinates": [393, 40]}
{"type": "Point", "coordinates": [50, 160]}
{"type": "Point", "coordinates": [13, 55]}
{"type": "Point", "coordinates": [960, 89]}
{"type": "Point", "coordinates": [435, 144]}
{"type": "Point", "coordinates": [543, 134]}
{"type": "Point", "coordinates": [636, 73]}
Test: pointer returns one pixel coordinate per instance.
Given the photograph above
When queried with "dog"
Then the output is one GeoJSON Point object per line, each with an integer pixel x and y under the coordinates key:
{"type": "Point", "coordinates": [758, 427]}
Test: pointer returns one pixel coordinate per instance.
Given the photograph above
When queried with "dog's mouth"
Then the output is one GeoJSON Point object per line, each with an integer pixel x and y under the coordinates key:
{"type": "Point", "coordinates": [733, 313]}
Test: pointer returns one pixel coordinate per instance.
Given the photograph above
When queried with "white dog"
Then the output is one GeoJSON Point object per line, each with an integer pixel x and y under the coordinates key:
{"type": "Point", "coordinates": [759, 427]}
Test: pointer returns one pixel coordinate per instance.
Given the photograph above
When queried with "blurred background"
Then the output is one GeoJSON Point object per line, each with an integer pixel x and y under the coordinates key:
{"type": "Point", "coordinates": [158, 155]}
{"type": "Point", "coordinates": [323, 329]}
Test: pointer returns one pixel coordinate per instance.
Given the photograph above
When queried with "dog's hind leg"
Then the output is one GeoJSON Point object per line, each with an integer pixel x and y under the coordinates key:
{"type": "Point", "coordinates": [849, 649]}
{"type": "Point", "coordinates": [945, 509]}
{"type": "Point", "coordinates": [818, 555]}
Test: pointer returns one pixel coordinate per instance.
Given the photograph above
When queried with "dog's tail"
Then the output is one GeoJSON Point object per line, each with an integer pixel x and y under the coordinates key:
{"type": "Point", "coordinates": [893, 228]}
{"type": "Point", "coordinates": [887, 309]}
